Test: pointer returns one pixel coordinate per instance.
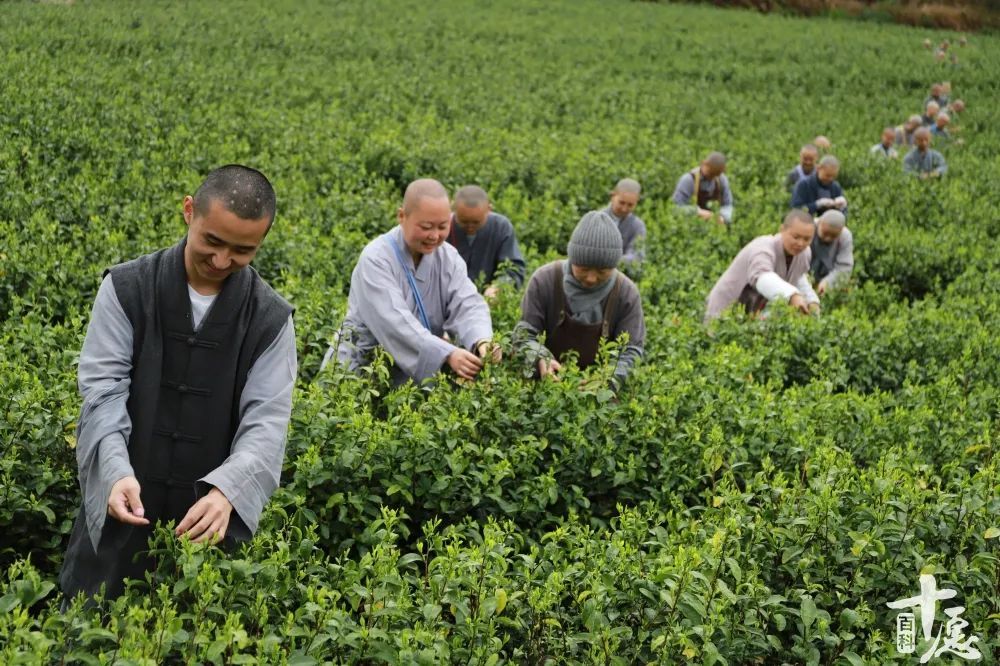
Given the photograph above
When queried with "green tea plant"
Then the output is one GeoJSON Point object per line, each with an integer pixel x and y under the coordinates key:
{"type": "Point", "coordinates": [755, 494]}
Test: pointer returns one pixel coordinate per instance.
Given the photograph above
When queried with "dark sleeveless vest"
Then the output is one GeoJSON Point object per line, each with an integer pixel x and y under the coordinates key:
{"type": "Point", "coordinates": [704, 197]}
{"type": "Point", "coordinates": [183, 400]}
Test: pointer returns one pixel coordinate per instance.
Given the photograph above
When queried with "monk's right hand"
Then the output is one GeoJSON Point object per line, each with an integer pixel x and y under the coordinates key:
{"type": "Point", "coordinates": [465, 364]}
{"type": "Point", "coordinates": [124, 504]}
{"type": "Point", "coordinates": [548, 367]}
{"type": "Point", "coordinates": [799, 303]}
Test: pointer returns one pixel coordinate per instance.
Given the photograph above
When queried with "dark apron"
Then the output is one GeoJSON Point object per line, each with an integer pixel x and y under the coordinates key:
{"type": "Point", "coordinates": [705, 197]}
{"type": "Point", "coordinates": [570, 335]}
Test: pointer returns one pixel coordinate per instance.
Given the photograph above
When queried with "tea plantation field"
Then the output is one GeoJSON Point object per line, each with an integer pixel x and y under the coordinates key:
{"type": "Point", "coordinates": [752, 497]}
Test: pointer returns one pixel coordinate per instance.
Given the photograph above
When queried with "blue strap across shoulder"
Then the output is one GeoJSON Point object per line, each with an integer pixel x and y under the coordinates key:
{"type": "Point", "coordinates": [413, 284]}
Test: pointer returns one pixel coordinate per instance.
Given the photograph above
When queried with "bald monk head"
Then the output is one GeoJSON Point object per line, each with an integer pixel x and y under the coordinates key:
{"type": "Point", "coordinates": [822, 142]}
{"type": "Point", "coordinates": [425, 217]}
{"type": "Point", "coordinates": [888, 136]}
{"type": "Point", "coordinates": [932, 109]}
{"type": "Point", "coordinates": [913, 122]}
{"type": "Point", "coordinates": [713, 166]}
{"type": "Point", "coordinates": [922, 139]}
{"type": "Point", "coordinates": [625, 197]}
{"type": "Point", "coordinates": [828, 169]}
{"type": "Point", "coordinates": [472, 208]}
{"type": "Point", "coordinates": [797, 232]}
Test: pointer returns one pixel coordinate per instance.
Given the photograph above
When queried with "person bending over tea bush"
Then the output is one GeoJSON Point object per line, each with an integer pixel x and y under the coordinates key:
{"type": "Point", "coordinates": [179, 423]}
{"type": "Point", "coordinates": [832, 251]}
{"type": "Point", "coordinates": [923, 160]}
{"type": "Point", "coordinates": [820, 191]}
{"type": "Point", "coordinates": [621, 209]}
{"type": "Point", "coordinates": [807, 164]}
{"type": "Point", "coordinates": [408, 289]}
{"type": "Point", "coordinates": [887, 146]}
{"type": "Point", "coordinates": [904, 133]}
{"type": "Point", "coordinates": [769, 268]}
{"type": "Point", "coordinates": [580, 301]}
{"type": "Point", "coordinates": [708, 183]}
{"type": "Point", "coordinates": [485, 239]}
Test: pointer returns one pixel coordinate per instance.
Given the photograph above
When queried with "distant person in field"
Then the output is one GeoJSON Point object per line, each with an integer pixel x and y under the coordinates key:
{"type": "Point", "coordinates": [923, 160]}
{"type": "Point", "coordinates": [485, 240]}
{"type": "Point", "coordinates": [832, 250]}
{"type": "Point", "coordinates": [956, 107]}
{"type": "Point", "coordinates": [409, 289]}
{"type": "Point", "coordinates": [930, 114]}
{"type": "Point", "coordinates": [887, 146]}
{"type": "Point", "coordinates": [821, 191]}
{"type": "Point", "coordinates": [904, 133]}
{"type": "Point", "coordinates": [770, 268]}
{"type": "Point", "coordinates": [706, 186]}
{"type": "Point", "coordinates": [186, 375]}
{"type": "Point", "coordinates": [807, 164]}
{"type": "Point", "coordinates": [621, 209]}
{"type": "Point", "coordinates": [823, 144]}
{"type": "Point", "coordinates": [938, 95]}
{"type": "Point", "coordinates": [940, 128]}
{"type": "Point", "coordinates": [580, 301]}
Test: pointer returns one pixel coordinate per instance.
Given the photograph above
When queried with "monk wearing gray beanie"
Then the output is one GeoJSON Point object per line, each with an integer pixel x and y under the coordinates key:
{"type": "Point", "coordinates": [580, 301]}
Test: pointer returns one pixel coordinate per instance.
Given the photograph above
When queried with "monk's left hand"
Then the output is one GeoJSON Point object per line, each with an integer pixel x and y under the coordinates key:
{"type": "Point", "coordinates": [208, 519]}
{"type": "Point", "coordinates": [491, 292]}
{"type": "Point", "coordinates": [491, 349]}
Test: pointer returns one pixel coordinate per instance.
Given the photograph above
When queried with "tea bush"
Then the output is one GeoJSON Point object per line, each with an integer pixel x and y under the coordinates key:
{"type": "Point", "coordinates": [755, 494]}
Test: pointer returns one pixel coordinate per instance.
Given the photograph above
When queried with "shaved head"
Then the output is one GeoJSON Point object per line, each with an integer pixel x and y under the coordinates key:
{"type": "Point", "coordinates": [796, 215]}
{"type": "Point", "coordinates": [922, 132]}
{"type": "Point", "coordinates": [472, 196]}
{"type": "Point", "coordinates": [829, 161]}
{"type": "Point", "coordinates": [627, 186]}
{"type": "Point", "coordinates": [424, 188]}
{"type": "Point", "coordinates": [809, 148]}
{"type": "Point", "coordinates": [716, 160]}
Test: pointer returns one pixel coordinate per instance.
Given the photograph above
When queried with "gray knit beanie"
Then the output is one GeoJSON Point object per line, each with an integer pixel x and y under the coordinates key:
{"type": "Point", "coordinates": [596, 242]}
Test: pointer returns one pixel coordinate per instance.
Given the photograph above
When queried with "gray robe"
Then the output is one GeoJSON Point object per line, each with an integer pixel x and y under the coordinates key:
{"type": "Point", "coordinates": [493, 244]}
{"type": "Point", "coordinates": [832, 262]}
{"type": "Point", "coordinates": [633, 231]}
{"type": "Point", "coordinates": [764, 254]}
{"type": "Point", "coordinates": [382, 310]}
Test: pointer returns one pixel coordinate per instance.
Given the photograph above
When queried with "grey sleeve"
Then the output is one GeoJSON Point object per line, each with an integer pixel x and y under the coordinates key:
{"type": "Point", "coordinates": [633, 323]}
{"type": "Point", "coordinates": [509, 251]}
{"type": "Point", "coordinates": [104, 427]}
{"type": "Point", "coordinates": [683, 193]}
{"type": "Point", "coordinates": [252, 471]}
{"type": "Point", "coordinates": [635, 253]}
{"type": "Point", "coordinates": [939, 164]}
{"type": "Point", "coordinates": [843, 262]}
{"type": "Point", "coordinates": [467, 317]}
{"type": "Point", "coordinates": [532, 323]}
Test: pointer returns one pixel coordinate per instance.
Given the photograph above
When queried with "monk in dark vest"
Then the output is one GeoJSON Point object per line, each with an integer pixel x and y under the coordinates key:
{"type": "Point", "coordinates": [705, 187]}
{"type": "Point", "coordinates": [578, 302]}
{"type": "Point", "coordinates": [186, 375]}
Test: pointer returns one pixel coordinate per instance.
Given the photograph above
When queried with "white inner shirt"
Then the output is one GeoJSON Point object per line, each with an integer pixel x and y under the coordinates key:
{"type": "Point", "coordinates": [199, 306]}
